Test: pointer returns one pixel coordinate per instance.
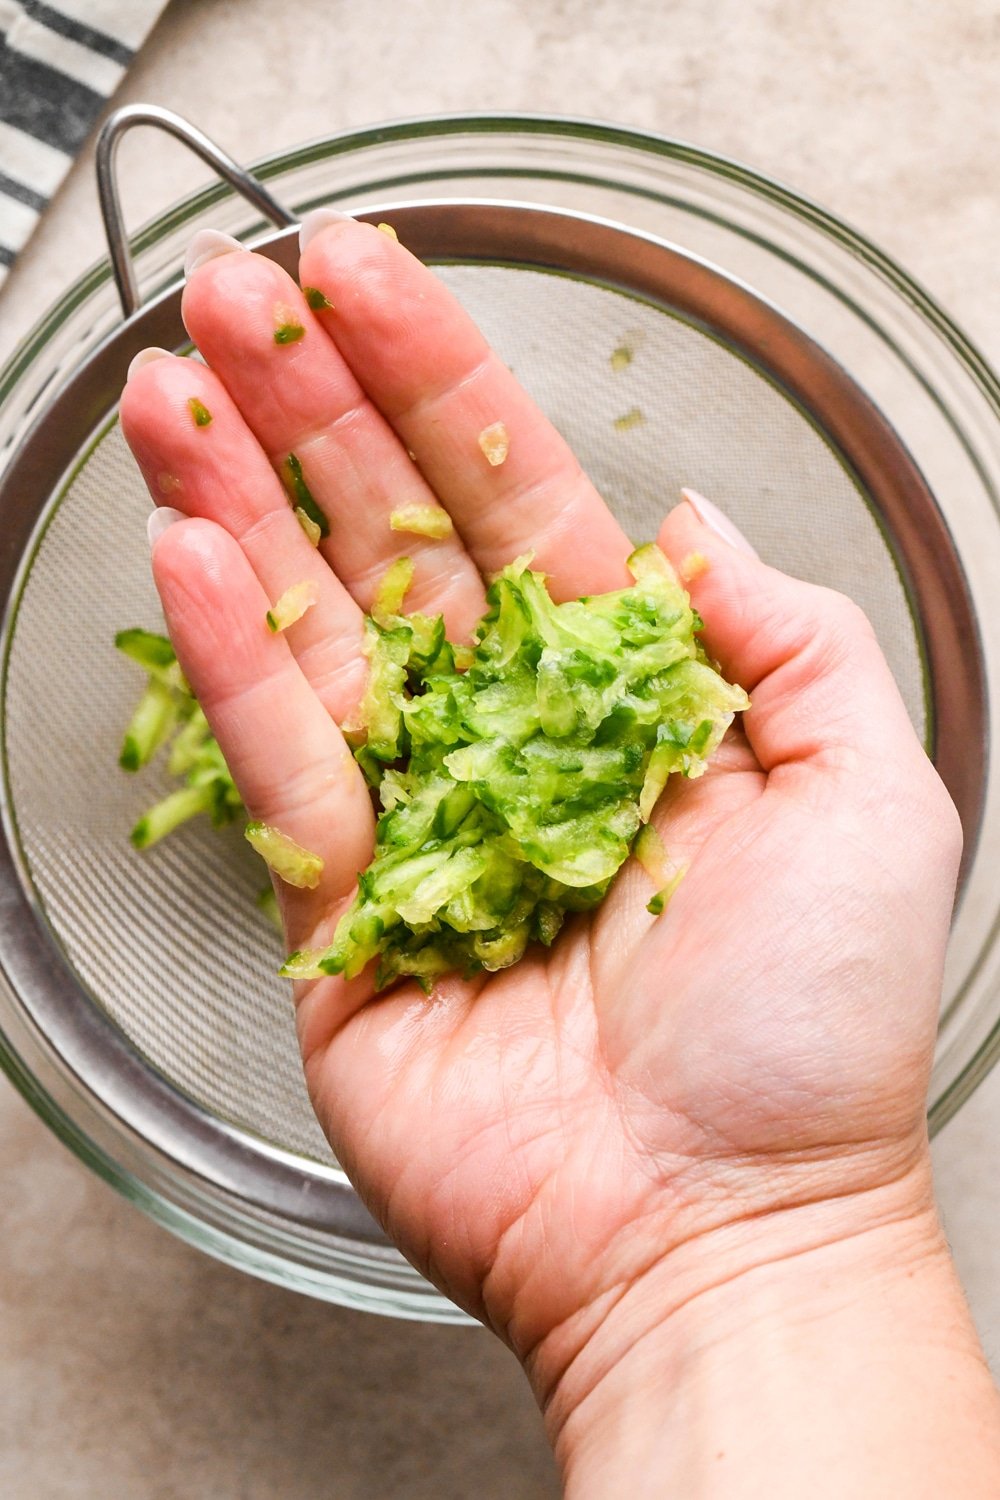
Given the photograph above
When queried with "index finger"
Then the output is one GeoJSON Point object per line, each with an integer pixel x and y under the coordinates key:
{"type": "Point", "coordinates": [423, 362]}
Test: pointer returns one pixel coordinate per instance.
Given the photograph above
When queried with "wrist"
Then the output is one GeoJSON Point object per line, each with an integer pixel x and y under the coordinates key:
{"type": "Point", "coordinates": [692, 1378]}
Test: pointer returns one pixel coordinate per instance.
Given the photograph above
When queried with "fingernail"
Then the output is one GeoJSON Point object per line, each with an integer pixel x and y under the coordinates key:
{"type": "Point", "coordinates": [206, 245]}
{"type": "Point", "coordinates": [162, 517]}
{"type": "Point", "coordinates": [318, 219]}
{"type": "Point", "coordinates": [713, 517]}
{"type": "Point", "coordinates": [146, 357]}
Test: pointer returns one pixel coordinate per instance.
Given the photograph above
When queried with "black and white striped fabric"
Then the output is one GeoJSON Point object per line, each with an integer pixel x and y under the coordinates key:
{"type": "Point", "coordinates": [59, 62]}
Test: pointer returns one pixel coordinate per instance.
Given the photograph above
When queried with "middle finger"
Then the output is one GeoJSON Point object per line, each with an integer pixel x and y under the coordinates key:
{"type": "Point", "coordinates": [298, 396]}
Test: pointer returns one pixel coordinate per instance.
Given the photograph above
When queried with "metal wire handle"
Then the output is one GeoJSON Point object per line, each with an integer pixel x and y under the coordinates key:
{"type": "Point", "coordinates": [112, 131]}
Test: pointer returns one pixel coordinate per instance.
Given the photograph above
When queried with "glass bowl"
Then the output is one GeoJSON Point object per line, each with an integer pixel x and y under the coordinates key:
{"type": "Point", "coordinates": [232, 1190]}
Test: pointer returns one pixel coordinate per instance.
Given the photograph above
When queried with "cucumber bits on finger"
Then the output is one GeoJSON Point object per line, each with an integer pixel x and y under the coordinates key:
{"type": "Point", "coordinates": [292, 605]}
{"type": "Point", "coordinates": [422, 520]}
{"type": "Point", "coordinates": [289, 861]}
{"type": "Point", "coordinates": [512, 791]}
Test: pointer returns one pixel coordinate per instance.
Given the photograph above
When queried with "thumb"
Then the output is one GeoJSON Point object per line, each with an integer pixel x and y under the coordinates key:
{"type": "Point", "coordinates": [822, 695]}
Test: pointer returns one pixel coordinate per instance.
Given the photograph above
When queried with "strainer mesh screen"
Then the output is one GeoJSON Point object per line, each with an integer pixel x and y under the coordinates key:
{"type": "Point", "coordinates": [169, 943]}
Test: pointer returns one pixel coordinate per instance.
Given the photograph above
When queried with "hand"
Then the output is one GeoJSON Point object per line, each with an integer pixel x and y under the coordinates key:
{"type": "Point", "coordinates": [573, 1145]}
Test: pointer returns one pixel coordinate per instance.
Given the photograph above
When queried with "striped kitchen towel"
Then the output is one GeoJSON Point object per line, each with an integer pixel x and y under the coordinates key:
{"type": "Point", "coordinates": [59, 62]}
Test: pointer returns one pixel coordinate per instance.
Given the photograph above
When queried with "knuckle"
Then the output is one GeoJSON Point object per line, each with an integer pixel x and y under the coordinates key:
{"type": "Point", "coordinates": [844, 619]}
{"type": "Point", "coordinates": [944, 815]}
{"type": "Point", "coordinates": [835, 632]}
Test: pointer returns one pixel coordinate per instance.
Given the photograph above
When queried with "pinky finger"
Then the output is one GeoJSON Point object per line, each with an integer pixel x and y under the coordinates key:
{"type": "Point", "coordinates": [287, 756]}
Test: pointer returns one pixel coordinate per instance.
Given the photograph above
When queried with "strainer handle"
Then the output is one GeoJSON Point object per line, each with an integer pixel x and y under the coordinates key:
{"type": "Point", "coordinates": [108, 141]}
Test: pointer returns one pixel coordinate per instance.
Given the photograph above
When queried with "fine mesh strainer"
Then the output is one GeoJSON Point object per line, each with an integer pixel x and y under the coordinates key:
{"type": "Point", "coordinates": [141, 1010]}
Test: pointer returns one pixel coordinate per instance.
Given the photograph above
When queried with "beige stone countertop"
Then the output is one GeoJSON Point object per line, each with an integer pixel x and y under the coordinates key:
{"type": "Point", "coordinates": [133, 1367]}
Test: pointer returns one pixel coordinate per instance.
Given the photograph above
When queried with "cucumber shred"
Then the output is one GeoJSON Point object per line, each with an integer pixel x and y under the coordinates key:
{"type": "Point", "coordinates": [513, 782]}
{"type": "Point", "coordinates": [292, 605]}
{"type": "Point", "coordinates": [290, 861]}
{"type": "Point", "coordinates": [422, 520]}
{"type": "Point", "coordinates": [514, 775]}
{"type": "Point", "coordinates": [168, 714]}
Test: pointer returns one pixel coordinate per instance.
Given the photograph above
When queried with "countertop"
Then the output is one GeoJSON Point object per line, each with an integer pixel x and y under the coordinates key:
{"type": "Point", "coordinates": [133, 1367]}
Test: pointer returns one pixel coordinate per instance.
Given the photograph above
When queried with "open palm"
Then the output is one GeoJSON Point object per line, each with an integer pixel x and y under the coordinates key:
{"type": "Point", "coordinates": [539, 1140]}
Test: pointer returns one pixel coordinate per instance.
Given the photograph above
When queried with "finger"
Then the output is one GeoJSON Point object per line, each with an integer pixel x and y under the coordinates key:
{"type": "Point", "coordinates": [429, 370]}
{"type": "Point", "coordinates": [218, 471]}
{"type": "Point", "coordinates": [287, 757]}
{"type": "Point", "coordinates": [821, 690]}
{"type": "Point", "coordinates": [300, 398]}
